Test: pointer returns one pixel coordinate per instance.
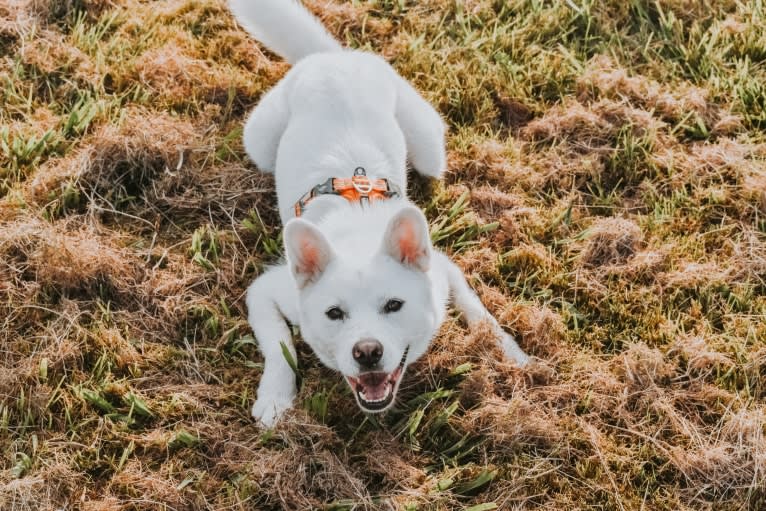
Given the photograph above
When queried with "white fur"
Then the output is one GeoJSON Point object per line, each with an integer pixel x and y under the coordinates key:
{"type": "Point", "coordinates": [334, 111]}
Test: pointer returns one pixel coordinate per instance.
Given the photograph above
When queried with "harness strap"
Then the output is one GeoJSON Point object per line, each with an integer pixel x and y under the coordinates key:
{"type": "Point", "coordinates": [357, 188]}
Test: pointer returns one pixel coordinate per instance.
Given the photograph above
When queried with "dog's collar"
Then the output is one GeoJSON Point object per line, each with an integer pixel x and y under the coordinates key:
{"type": "Point", "coordinates": [358, 188]}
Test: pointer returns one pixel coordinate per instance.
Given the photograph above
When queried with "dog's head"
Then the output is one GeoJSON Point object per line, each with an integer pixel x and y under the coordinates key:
{"type": "Point", "coordinates": [366, 304]}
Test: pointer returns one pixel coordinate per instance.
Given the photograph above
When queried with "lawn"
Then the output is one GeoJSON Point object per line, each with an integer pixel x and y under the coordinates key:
{"type": "Point", "coordinates": [605, 196]}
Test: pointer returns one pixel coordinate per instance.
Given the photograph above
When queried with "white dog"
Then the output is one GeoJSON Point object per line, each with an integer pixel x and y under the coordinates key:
{"type": "Point", "coordinates": [362, 280]}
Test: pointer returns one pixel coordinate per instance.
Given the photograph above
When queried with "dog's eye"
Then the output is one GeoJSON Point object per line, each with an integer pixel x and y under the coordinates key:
{"type": "Point", "coordinates": [335, 313]}
{"type": "Point", "coordinates": [392, 305]}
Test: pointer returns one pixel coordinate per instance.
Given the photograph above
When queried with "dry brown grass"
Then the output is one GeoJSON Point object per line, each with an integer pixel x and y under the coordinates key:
{"type": "Point", "coordinates": [613, 165]}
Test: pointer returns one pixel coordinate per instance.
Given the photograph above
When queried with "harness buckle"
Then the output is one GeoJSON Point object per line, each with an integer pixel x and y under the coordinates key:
{"type": "Point", "coordinates": [362, 184]}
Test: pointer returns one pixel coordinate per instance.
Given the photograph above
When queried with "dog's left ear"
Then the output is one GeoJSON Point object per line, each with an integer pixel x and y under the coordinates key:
{"type": "Point", "coordinates": [407, 239]}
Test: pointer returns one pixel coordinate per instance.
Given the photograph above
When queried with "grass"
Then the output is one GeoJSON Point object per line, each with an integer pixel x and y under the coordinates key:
{"type": "Point", "coordinates": [606, 196]}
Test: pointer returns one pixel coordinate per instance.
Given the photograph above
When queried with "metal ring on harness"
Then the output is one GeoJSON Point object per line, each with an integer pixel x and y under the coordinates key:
{"type": "Point", "coordinates": [361, 182]}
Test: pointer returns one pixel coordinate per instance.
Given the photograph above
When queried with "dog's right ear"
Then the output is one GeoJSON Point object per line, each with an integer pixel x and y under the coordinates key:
{"type": "Point", "coordinates": [308, 251]}
{"type": "Point", "coordinates": [407, 240]}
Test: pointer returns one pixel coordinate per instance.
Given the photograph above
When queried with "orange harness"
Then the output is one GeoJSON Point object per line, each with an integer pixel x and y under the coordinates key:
{"type": "Point", "coordinates": [358, 188]}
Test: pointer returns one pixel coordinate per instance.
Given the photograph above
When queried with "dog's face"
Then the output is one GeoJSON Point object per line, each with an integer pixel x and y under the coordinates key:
{"type": "Point", "coordinates": [366, 318]}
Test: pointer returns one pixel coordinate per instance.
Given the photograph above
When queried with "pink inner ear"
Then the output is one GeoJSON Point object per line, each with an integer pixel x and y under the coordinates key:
{"type": "Point", "coordinates": [409, 248]}
{"type": "Point", "coordinates": [310, 257]}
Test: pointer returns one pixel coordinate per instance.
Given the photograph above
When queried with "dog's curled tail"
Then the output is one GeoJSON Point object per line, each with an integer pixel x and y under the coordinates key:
{"type": "Point", "coordinates": [285, 27]}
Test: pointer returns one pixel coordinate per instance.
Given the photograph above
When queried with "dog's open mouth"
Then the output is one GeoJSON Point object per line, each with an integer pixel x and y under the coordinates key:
{"type": "Point", "coordinates": [375, 390]}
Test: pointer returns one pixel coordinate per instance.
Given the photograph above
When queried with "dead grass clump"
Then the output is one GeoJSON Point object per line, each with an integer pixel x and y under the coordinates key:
{"type": "Point", "coordinates": [120, 162]}
{"type": "Point", "coordinates": [521, 225]}
{"type": "Point", "coordinates": [141, 483]}
{"type": "Point", "coordinates": [513, 423]}
{"type": "Point", "coordinates": [46, 489]}
{"type": "Point", "coordinates": [745, 428]}
{"type": "Point", "coordinates": [20, 17]}
{"type": "Point", "coordinates": [611, 241]}
{"type": "Point", "coordinates": [755, 368]}
{"type": "Point", "coordinates": [692, 418]}
{"type": "Point", "coordinates": [11, 9]}
{"type": "Point", "coordinates": [562, 167]}
{"type": "Point", "coordinates": [350, 21]}
{"type": "Point", "coordinates": [691, 275]}
{"type": "Point", "coordinates": [52, 11]}
{"type": "Point", "coordinates": [458, 347]}
{"type": "Point", "coordinates": [125, 353]}
{"type": "Point", "coordinates": [156, 164]}
{"type": "Point", "coordinates": [240, 49]}
{"type": "Point", "coordinates": [69, 267]}
{"type": "Point", "coordinates": [642, 367]}
{"type": "Point", "coordinates": [35, 334]}
{"type": "Point", "coordinates": [592, 148]}
{"type": "Point", "coordinates": [542, 330]}
{"type": "Point", "coordinates": [694, 421]}
{"type": "Point", "coordinates": [749, 257]}
{"type": "Point", "coordinates": [476, 386]}
{"type": "Point", "coordinates": [80, 262]}
{"type": "Point", "coordinates": [52, 55]}
{"type": "Point", "coordinates": [723, 162]}
{"type": "Point", "coordinates": [304, 478]}
{"type": "Point", "coordinates": [727, 125]}
{"type": "Point", "coordinates": [733, 459]}
{"type": "Point", "coordinates": [490, 202]}
{"type": "Point", "coordinates": [230, 192]}
{"type": "Point", "coordinates": [54, 177]}
{"type": "Point", "coordinates": [184, 74]}
{"type": "Point", "coordinates": [16, 19]}
{"type": "Point", "coordinates": [225, 41]}
{"type": "Point", "coordinates": [109, 503]}
{"type": "Point", "coordinates": [397, 465]}
{"type": "Point", "coordinates": [529, 258]}
{"type": "Point", "coordinates": [604, 79]}
{"type": "Point", "coordinates": [480, 262]}
{"type": "Point", "coordinates": [171, 73]}
{"type": "Point", "coordinates": [176, 299]}
{"type": "Point", "coordinates": [63, 260]}
{"type": "Point", "coordinates": [589, 127]}
{"type": "Point", "coordinates": [592, 386]}
{"type": "Point", "coordinates": [754, 186]}
{"type": "Point", "coordinates": [36, 125]}
{"type": "Point", "coordinates": [644, 266]}
{"type": "Point", "coordinates": [486, 163]}
{"type": "Point", "coordinates": [701, 359]}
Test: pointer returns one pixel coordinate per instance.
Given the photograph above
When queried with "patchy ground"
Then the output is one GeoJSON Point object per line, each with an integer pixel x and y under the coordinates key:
{"type": "Point", "coordinates": [606, 196]}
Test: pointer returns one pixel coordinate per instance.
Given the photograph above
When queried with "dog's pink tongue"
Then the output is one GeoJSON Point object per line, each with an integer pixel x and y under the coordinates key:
{"type": "Point", "coordinates": [374, 385]}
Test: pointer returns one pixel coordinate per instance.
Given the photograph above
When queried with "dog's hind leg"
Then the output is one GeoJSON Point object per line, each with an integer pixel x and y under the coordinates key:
{"type": "Point", "coordinates": [269, 299]}
{"type": "Point", "coordinates": [466, 301]}
{"type": "Point", "coordinates": [423, 130]}
{"type": "Point", "coordinates": [264, 128]}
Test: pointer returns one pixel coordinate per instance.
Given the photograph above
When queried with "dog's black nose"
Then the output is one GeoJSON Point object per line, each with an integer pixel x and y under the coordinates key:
{"type": "Point", "coordinates": [368, 352]}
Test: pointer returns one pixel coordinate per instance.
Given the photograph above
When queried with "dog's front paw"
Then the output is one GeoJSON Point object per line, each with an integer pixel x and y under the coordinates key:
{"type": "Point", "coordinates": [269, 407]}
{"type": "Point", "coordinates": [512, 350]}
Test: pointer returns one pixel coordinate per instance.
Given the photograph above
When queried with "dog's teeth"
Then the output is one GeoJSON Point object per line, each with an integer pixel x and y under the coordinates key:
{"type": "Point", "coordinates": [363, 395]}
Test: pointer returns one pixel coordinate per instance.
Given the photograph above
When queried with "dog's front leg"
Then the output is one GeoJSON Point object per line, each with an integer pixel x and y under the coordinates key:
{"type": "Point", "coordinates": [474, 312]}
{"type": "Point", "coordinates": [271, 299]}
